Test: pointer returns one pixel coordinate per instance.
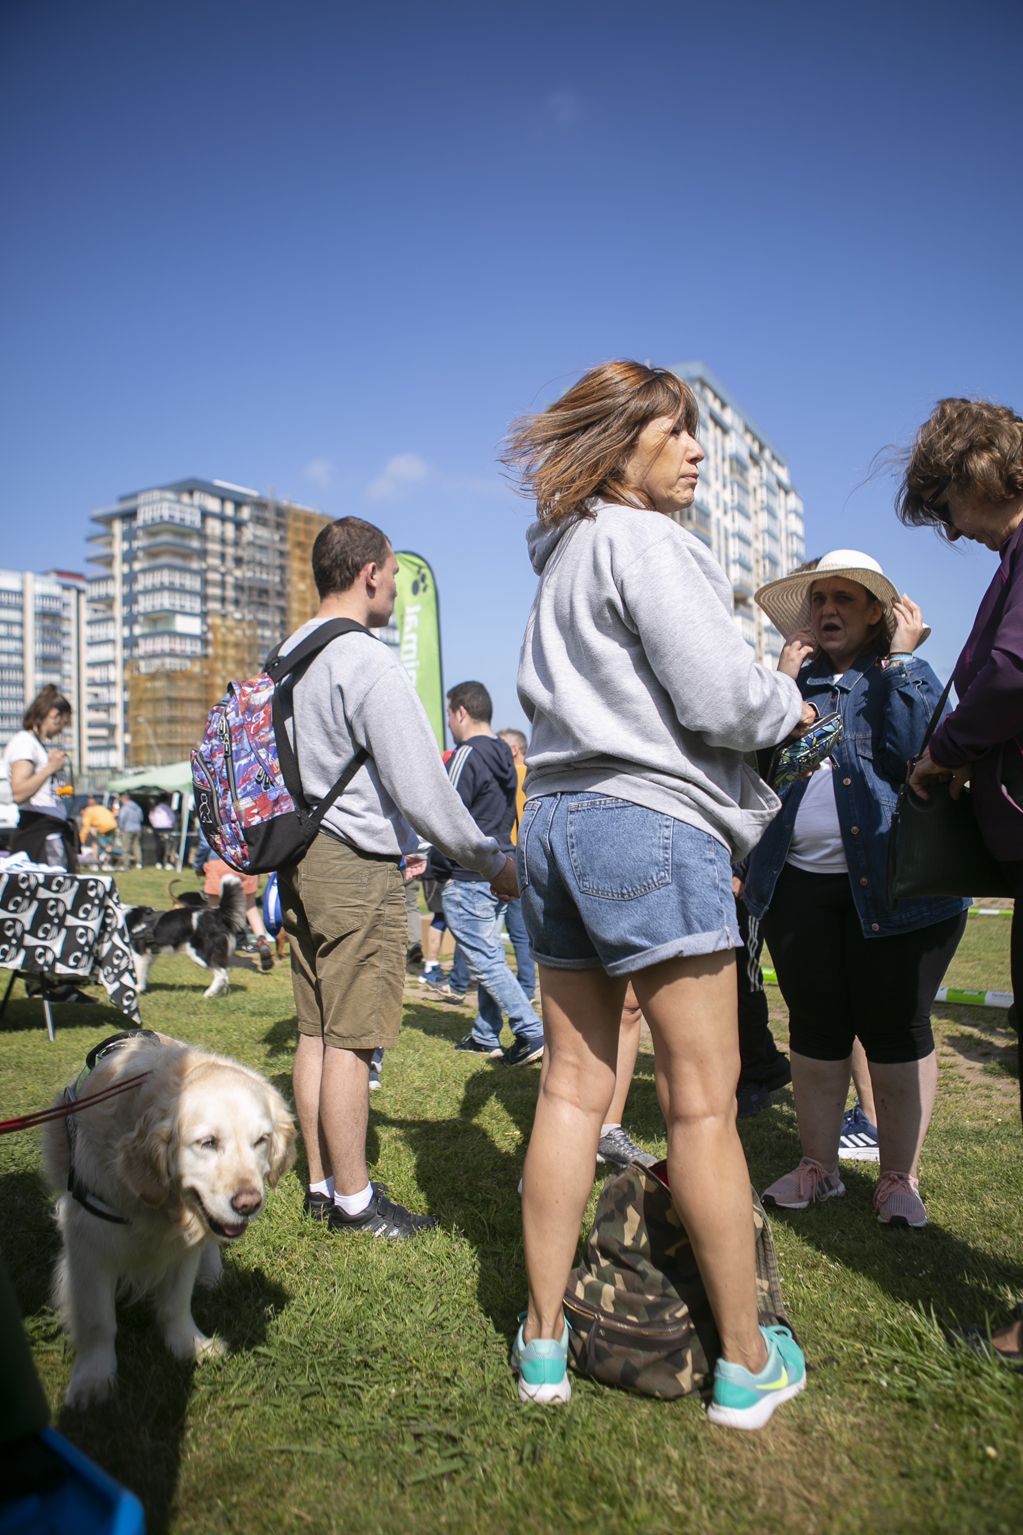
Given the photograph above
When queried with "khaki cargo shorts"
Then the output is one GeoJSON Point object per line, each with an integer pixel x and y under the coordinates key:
{"type": "Point", "coordinates": [344, 913]}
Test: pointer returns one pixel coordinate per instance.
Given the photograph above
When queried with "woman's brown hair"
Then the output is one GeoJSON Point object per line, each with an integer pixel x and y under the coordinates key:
{"type": "Point", "coordinates": [49, 698]}
{"type": "Point", "coordinates": [971, 444]}
{"type": "Point", "coordinates": [576, 451]}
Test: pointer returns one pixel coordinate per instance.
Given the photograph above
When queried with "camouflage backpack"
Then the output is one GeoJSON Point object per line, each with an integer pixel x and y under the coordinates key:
{"type": "Point", "coordinates": [636, 1305]}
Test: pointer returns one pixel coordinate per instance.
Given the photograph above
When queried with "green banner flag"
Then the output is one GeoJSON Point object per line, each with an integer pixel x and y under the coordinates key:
{"type": "Point", "coordinates": [417, 619]}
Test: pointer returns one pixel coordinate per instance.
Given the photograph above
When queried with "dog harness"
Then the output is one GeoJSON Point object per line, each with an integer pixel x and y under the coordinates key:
{"type": "Point", "coordinates": [95, 1057]}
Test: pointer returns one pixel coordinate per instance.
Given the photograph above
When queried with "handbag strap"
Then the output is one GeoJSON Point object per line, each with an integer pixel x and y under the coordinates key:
{"type": "Point", "coordinates": [935, 717]}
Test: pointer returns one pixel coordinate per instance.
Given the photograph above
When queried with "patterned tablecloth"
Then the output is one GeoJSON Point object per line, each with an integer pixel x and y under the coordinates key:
{"type": "Point", "coordinates": [68, 925]}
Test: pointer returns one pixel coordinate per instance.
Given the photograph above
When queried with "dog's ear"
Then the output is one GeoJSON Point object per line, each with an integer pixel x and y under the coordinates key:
{"type": "Point", "coordinates": [144, 1157]}
{"type": "Point", "coordinates": [282, 1139]}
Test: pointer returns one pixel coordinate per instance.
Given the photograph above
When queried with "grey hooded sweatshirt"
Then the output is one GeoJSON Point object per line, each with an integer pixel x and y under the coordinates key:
{"type": "Point", "coordinates": [636, 681]}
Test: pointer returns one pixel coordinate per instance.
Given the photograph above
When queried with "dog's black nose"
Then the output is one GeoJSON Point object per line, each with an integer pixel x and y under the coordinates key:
{"type": "Point", "coordinates": [247, 1201]}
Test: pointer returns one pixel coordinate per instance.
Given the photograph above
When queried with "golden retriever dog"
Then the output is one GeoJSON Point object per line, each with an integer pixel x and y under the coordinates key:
{"type": "Point", "coordinates": [153, 1182]}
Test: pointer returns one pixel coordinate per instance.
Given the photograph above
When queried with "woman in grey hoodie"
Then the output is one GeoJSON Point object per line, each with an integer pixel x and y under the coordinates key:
{"type": "Point", "coordinates": [644, 701]}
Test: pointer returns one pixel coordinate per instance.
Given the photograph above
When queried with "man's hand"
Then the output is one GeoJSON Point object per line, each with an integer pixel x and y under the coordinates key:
{"type": "Point", "coordinates": [927, 772]}
{"type": "Point", "coordinates": [506, 885]}
{"type": "Point", "coordinates": [795, 651]}
{"type": "Point", "coordinates": [415, 866]}
{"type": "Point", "coordinates": [909, 625]}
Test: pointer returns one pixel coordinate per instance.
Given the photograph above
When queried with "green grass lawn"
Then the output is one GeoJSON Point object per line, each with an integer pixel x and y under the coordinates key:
{"type": "Point", "coordinates": [367, 1386]}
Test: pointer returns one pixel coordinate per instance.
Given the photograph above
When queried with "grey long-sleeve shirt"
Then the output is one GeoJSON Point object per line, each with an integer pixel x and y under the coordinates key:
{"type": "Point", "coordinates": [637, 682]}
{"type": "Point", "coordinates": [356, 693]}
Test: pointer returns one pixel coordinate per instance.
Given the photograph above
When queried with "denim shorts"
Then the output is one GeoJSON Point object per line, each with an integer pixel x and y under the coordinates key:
{"type": "Point", "coordinates": [610, 885]}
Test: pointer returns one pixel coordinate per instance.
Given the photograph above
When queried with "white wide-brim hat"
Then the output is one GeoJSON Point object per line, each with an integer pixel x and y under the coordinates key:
{"type": "Point", "coordinates": [787, 600]}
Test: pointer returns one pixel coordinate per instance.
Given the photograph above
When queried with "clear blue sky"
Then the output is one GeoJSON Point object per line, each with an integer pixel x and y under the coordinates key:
{"type": "Point", "coordinates": [333, 250]}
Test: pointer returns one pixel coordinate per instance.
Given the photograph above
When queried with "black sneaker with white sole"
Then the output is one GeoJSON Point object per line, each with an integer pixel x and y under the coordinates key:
{"type": "Point", "coordinates": [521, 1053]}
{"type": "Point", "coordinates": [381, 1218]}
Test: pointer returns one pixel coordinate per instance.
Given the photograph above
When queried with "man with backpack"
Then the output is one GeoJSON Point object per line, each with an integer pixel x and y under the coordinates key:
{"type": "Point", "coordinates": [343, 902]}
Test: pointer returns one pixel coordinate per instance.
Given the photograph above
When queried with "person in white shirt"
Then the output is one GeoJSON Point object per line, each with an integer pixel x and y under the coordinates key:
{"type": "Point", "coordinates": [38, 773]}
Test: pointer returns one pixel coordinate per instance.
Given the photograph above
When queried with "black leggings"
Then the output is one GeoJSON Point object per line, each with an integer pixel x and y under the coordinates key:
{"type": "Point", "coordinates": [840, 986]}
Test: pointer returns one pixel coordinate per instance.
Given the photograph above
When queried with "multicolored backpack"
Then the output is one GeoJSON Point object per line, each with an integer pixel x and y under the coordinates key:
{"type": "Point", "coordinates": [636, 1304]}
{"type": "Point", "coordinates": [245, 775]}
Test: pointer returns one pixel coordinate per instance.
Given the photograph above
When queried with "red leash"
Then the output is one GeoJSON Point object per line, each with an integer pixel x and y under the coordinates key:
{"type": "Point", "coordinates": [62, 1110]}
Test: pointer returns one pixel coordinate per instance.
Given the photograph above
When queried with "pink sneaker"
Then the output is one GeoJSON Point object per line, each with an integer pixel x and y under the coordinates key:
{"type": "Point", "coordinates": [807, 1184]}
{"type": "Point", "coordinates": [897, 1201]}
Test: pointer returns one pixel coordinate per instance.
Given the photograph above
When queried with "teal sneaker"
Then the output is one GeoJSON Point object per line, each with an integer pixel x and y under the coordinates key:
{"type": "Point", "coordinates": [742, 1400]}
{"type": "Point", "coordinates": [542, 1368]}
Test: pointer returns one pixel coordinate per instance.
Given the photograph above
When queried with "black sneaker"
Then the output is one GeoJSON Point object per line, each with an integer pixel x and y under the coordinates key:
{"type": "Point", "coordinates": [521, 1053]}
{"type": "Point", "coordinates": [317, 1206]}
{"type": "Point", "coordinates": [474, 1047]}
{"type": "Point", "coordinates": [382, 1218]}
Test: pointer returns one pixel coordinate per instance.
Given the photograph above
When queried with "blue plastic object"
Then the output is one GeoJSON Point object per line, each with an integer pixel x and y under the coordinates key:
{"type": "Point", "coordinates": [273, 917]}
{"type": "Point", "coordinates": [79, 1500]}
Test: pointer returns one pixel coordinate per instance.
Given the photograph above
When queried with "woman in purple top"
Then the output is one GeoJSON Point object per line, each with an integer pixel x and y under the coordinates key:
{"type": "Point", "coordinates": [964, 477]}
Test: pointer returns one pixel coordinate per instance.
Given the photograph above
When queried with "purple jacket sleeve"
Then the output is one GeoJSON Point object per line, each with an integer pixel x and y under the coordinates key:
{"type": "Point", "coordinates": [991, 709]}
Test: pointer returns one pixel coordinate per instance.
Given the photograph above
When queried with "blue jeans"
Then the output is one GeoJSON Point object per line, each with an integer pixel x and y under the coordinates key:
{"type": "Point", "coordinates": [473, 913]}
{"type": "Point", "coordinates": [525, 965]}
{"type": "Point", "coordinates": [458, 980]}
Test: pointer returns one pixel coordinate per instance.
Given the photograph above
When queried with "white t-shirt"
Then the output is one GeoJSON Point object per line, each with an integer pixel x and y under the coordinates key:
{"type": "Point", "coordinates": [27, 747]}
{"type": "Point", "coordinates": [816, 844]}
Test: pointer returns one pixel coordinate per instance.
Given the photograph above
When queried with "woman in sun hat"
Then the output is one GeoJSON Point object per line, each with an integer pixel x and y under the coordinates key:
{"type": "Point", "coordinates": [849, 966]}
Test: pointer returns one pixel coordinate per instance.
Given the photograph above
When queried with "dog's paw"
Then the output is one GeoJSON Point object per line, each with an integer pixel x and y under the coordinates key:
{"type": "Point", "coordinates": [86, 1389]}
{"type": "Point", "coordinates": [195, 1347]}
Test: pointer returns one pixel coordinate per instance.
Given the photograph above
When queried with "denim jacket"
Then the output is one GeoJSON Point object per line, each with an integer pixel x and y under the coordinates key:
{"type": "Point", "coordinates": [885, 711]}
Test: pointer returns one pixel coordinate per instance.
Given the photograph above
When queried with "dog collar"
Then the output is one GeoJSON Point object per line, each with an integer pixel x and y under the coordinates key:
{"type": "Point", "coordinates": [95, 1057]}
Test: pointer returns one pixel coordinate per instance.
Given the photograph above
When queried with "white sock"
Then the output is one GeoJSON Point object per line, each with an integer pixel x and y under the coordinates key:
{"type": "Point", "coordinates": [325, 1186]}
{"type": "Point", "coordinates": [354, 1204]}
{"type": "Point", "coordinates": [606, 1129]}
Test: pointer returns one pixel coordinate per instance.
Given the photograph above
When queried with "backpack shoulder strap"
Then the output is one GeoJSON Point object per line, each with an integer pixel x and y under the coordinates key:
{"type": "Point", "coordinates": [280, 668]}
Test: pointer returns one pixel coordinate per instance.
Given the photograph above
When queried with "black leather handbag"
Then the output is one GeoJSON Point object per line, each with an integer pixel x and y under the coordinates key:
{"type": "Point", "coordinates": [935, 847]}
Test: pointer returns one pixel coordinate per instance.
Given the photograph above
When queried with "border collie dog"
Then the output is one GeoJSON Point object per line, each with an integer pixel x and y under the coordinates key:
{"type": "Point", "coordinates": [207, 934]}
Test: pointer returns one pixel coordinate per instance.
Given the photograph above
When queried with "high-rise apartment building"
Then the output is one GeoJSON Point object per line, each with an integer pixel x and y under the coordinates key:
{"type": "Point", "coordinates": [42, 641]}
{"type": "Point", "coordinates": [199, 579]}
{"type": "Point", "coordinates": [746, 510]}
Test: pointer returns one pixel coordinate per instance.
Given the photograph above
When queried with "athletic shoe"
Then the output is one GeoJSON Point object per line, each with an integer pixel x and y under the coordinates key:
{"type": "Point", "coordinates": [754, 1094]}
{"type": "Point", "coordinates": [542, 1368]}
{"type": "Point", "coordinates": [618, 1149]}
{"type": "Point", "coordinates": [897, 1201]}
{"type": "Point", "coordinates": [413, 956]}
{"type": "Point", "coordinates": [381, 1218]}
{"type": "Point", "coordinates": [266, 959]}
{"type": "Point", "coordinates": [440, 987]}
{"type": "Point", "coordinates": [858, 1141]}
{"type": "Point", "coordinates": [981, 1343]}
{"type": "Point", "coordinates": [317, 1206]}
{"type": "Point", "coordinates": [809, 1183]}
{"type": "Point", "coordinates": [474, 1047]}
{"type": "Point", "coordinates": [743, 1400]}
{"type": "Point", "coordinates": [521, 1053]}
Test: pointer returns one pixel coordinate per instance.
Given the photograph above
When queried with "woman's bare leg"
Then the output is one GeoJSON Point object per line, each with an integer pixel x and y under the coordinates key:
{"type": "Point", "coordinates": [628, 1050]}
{"type": "Point", "coordinates": [905, 1102]}
{"type": "Point", "coordinates": [691, 1007]}
{"type": "Point", "coordinates": [862, 1083]}
{"type": "Point", "coordinates": [581, 1015]}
